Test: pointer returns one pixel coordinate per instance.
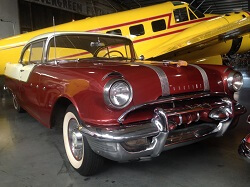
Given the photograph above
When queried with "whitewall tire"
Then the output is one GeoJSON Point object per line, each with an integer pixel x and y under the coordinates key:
{"type": "Point", "coordinates": [78, 151]}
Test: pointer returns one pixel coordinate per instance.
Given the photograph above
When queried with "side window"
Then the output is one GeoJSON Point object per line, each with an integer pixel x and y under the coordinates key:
{"type": "Point", "coordinates": [117, 32]}
{"type": "Point", "coordinates": [180, 15]}
{"type": "Point", "coordinates": [158, 25]}
{"type": "Point", "coordinates": [137, 30]}
{"type": "Point", "coordinates": [36, 52]}
{"type": "Point", "coordinates": [26, 56]}
{"type": "Point", "coordinates": [191, 15]}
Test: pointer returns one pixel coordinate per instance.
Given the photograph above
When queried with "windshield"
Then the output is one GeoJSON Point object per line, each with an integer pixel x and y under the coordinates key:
{"type": "Point", "coordinates": [75, 47]}
{"type": "Point", "coordinates": [198, 13]}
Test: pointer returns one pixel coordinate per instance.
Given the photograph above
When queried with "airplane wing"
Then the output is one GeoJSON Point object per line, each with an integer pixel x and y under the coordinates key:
{"type": "Point", "coordinates": [187, 42]}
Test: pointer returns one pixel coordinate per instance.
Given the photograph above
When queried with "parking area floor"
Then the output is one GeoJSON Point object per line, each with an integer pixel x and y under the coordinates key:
{"type": "Point", "coordinates": [32, 155]}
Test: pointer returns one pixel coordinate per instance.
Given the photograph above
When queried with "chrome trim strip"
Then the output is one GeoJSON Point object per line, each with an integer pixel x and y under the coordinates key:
{"type": "Point", "coordinates": [120, 133]}
{"type": "Point", "coordinates": [198, 116]}
{"type": "Point", "coordinates": [172, 112]}
{"type": "Point", "coordinates": [204, 77]}
{"type": "Point", "coordinates": [181, 120]}
{"type": "Point", "coordinates": [162, 76]}
{"type": "Point", "coordinates": [169, 99]}
{"type": "Point", "coordinates": [226, 70]}
{"type": "Point", "coordinates": [113, 73]}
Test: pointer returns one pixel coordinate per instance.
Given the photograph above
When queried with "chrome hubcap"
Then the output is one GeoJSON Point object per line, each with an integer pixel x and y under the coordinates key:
{"type": "Point", "coordinates": [75, 140]}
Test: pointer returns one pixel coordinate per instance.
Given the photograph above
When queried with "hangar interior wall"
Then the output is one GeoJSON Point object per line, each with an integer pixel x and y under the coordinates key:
{"type": "Point", "coordinates": [9, 18]}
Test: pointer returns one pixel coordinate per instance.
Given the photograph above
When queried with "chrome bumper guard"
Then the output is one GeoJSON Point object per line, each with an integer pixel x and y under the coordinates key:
{"type": "Point", "coordinates": [148, 140]}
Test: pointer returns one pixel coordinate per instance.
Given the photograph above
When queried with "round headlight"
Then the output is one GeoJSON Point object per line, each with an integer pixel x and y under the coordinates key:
{"type": "Point", "coordinates": [235, 81]}
{"type": "Point", "coordinates": [118, 93]}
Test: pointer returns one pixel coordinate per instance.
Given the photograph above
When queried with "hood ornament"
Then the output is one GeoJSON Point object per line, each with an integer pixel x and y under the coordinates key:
{"type": "Point", "coordinates": [178, 63]}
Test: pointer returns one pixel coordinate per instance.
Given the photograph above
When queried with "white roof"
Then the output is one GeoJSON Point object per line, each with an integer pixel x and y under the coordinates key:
{"type": "Point", "coordinates": [51, 34]}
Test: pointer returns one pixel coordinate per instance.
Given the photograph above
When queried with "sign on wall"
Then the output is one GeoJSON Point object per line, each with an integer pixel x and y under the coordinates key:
{"type": "Point", "coordinates": [68, 5]}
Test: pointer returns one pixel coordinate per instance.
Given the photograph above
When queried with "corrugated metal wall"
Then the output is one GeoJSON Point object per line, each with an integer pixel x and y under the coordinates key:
{"type": "Point", "coordinates": [212, 6]}
{"type": "Point", "coordinates": [221, 6]}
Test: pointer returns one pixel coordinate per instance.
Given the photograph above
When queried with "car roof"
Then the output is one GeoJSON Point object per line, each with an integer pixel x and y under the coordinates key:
{"type": "Point", "coordinates": [51, 34]}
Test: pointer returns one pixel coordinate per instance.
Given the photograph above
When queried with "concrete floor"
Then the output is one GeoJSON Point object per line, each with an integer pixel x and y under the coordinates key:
{"type": "Point", "coordinates": [32, 155]}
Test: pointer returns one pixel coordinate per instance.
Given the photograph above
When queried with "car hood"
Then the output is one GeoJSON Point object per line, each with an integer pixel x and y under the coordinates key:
{"type": "Point", "coordinates": [151, 80]}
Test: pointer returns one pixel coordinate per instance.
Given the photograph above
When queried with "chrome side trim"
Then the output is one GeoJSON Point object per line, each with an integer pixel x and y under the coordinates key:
{"type": "Point", "coordinates": [162, 76]}
{"type": "Point", "coordinates": [204, 77]}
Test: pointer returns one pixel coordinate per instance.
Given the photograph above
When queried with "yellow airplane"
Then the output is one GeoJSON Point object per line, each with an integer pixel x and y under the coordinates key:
{"type": "Point", "coordinates": [170, 30]}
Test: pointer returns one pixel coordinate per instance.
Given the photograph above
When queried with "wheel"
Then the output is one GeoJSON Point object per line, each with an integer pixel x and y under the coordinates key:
{"type": "Point", "coordinates": [16, 105]}
{"type": "Point", "coordinates": [78, 151]}
{"type": "Point", "coordinates": [114, 51]}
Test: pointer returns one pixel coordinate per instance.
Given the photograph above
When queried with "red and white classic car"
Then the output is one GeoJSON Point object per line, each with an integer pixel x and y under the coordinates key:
{"type": "Point", "coordinates": [114, 106]}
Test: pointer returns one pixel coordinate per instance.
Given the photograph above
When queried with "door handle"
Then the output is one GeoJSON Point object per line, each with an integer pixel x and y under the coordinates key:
{"type": "Point", "coordinates": [21, 70]}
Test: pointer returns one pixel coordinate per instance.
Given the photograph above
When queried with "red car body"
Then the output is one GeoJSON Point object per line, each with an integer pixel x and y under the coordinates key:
{"type": "Point", "coordinates": [168, 105]}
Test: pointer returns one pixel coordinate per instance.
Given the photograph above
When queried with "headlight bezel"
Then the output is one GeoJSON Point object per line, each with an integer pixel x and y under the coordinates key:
{"type": "Point", "coordinates": [230, 81]}
{"type": "Point", "coordinates": [106, 93]}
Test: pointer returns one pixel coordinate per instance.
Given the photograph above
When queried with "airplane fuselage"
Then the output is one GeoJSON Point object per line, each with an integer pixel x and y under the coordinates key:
{"type": "Point", "coordinates": [150, 28]}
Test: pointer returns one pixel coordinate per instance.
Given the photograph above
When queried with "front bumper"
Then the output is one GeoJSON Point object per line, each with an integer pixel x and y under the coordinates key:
{"type": "Point", "coordinates": [147, 140]}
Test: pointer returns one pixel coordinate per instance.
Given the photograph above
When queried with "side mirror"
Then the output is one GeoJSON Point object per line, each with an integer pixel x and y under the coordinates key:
{"type": "Point", "coordinates": [141, 57]}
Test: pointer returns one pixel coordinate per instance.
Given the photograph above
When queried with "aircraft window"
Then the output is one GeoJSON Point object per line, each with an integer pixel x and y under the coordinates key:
{"type": "Point", "coordinates": [197, 12]}
{"type": "Point", "coordinates": [158, 25]}
{"type": "Point", "coordinates": [192, 16]}
{"type": "Point", "coordinates": [36, 52]}
{"type": "Point", "coordinates": [180, 15]}
{"type": "Point", "coordinates": [117, 32]}
{"type": "Point", "coordinates": [137, 30]}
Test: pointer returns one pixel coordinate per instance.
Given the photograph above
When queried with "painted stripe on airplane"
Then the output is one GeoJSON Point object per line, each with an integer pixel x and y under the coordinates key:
{"type": "Point", "coordinates": [189, 22]}
{"type": "Point", "coordinates": [152, 18]}
{"type": "Point", "coordinates": [247, 12]}
{"type": "Point", "coordinates": [158, 36]}
{"type": "Point", "coordinates": [13, 47]}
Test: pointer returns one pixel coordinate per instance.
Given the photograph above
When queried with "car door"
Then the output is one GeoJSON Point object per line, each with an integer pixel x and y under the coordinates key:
{"type": "Point", "coordinates": [29, 77]}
